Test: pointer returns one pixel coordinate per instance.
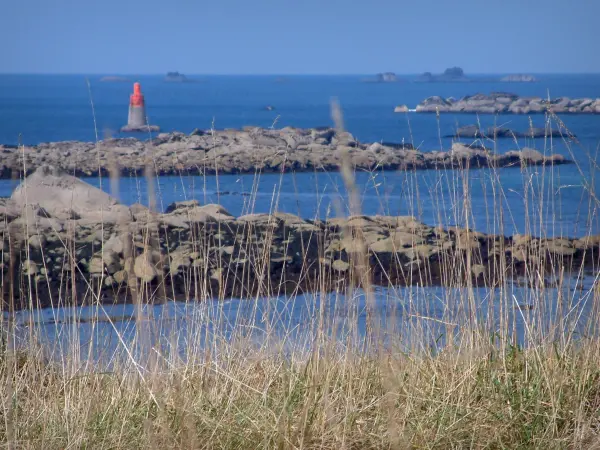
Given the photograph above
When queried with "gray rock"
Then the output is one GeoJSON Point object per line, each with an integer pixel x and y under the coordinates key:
{"type": "Point", "coordinates": [340, 266]}
{"type": "Point", "coordinates": [58, 192]}
{"type": "Point", "coordinates": [501, 102]}
{"type": "Point", "coordinates": [29, 268]}
{"type": "Point", "coordinates": [144, 269]}
{"type": "Point", "coordinates": [178, 206]}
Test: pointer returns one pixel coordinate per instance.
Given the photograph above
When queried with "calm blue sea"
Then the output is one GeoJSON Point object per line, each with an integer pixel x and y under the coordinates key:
{"type": "Point", "coordinates": [44, 108]}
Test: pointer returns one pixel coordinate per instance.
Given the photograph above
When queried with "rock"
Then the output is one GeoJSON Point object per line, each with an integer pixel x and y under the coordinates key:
{"type": "Point", "coordinates": [340, 266]}
{"type": "Point", "coordinates": [386, 245]}
{"type": "Point", "coordinates": [469, 131]}
{"type": "Point", "coordinates": [504, 103]}
{"type": "Point", "coordinates": [175, 221]}
{"type": "Point", "coordinates": [477, 270]}
{"type": "Point", "coordinates": [453, 74]}
{"type": "Point", "coordinates": [521, 239]}
{"type": "Point", "coordinates": [528, 155]}
{"type": "Point", "coordinates": [96, 265]}
{"type": "Point", "coordinates": [29, 268]}
{"type": "Point", "coordinates": [58, 192]}
{"type": "Point", "coordinates": [561, 247]}
{"type": "Point", "coordinates": [401, 109]}
{"type": "Point", "coordinates": [500, 132]}
{"type": "Point", "coordinates": [197, 132]}
{"type": "Point", "coordinates": [120, 277]}
{"type": "Point", "coordinates": [543, 133]}
{"type": "Point", "coordinates": [180, 262]}
{"type": "Point", "coordinates": [232, 151]}
{"type": "Point", "coordinates": [259, 219]}
{"type": "Point", "coordinates": [112, 262]}
{"type": "Point", "coordinates": [473, 131]}
{"type": "Point", "coordinates": [144, 269]}
{"type": "Point", "coordinates": [178, 206]}
{"type": "Point", "coordinates": [387, 77]}
{"type": "Point", "coordinates": [114, 244]}
{"type": "Point", "coordinates": [117, 214]}
{"type": "Point", "coordinates": [37, 241]}
{"type": "Point", "coordinates": [140, 129]}
{"type": "Point", "coordinates": [208, 260]}
{"type": "Point", "coordinates": [139, 209]}
{"type": "Point", "coordinates": [176, 77]}
{"type": "Point", "coordinates": [216, 211]}
{"type": "Point", "coordinates": [404, 239]}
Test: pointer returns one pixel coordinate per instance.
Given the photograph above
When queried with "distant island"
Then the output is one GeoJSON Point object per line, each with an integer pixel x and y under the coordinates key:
{"type": "Point", "coordinates": [453, 74]}
{"type": "Point", "coordinates": [457, 74]}
{"type": "Point", "coordinates": [384, 77]}
{"type": "Point", "coordinates": [519, 78]}
{"type": "Point", "coordinates": [176, 77]}
{"type": "Point", "coordinates": [114, 79]}
{"type": "Point", "coordinates": [387, 77]}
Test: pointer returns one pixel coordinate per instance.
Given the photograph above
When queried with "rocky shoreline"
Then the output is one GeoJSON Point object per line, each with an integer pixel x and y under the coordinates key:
{"type": "Point", "coordinates": [506, 103]}
{"type": "Point", "coordinates": [247, 151]}
{"type": "Point", "coordinates": [76, 245]}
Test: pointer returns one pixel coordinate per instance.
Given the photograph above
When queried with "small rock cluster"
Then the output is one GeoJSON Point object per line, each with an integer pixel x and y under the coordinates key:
{"type": "Point", "coordinates": [506, 103]}
{"type": "Point", "coordinates": [249, 150]}
{"type": "Point", "coordinates": [116, 253]}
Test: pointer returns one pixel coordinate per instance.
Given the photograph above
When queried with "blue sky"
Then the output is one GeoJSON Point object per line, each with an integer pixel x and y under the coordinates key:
{"type": "Point", "coordinates": [298, 37]}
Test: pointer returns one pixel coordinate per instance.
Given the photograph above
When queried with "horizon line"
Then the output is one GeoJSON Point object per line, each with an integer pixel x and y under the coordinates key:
{"type": "Point", "coordinates": [288, 74]}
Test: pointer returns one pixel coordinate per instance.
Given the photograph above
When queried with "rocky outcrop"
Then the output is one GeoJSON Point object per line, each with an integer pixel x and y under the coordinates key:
{"type": "Point", "coordinates": [197, 252]}
{"type": "Point", "coordinates": [475, 132]}
{"type": "Point", "coordinates": [176, 77]}
{"type": "Point", "coordinates": [387, 77]}
{"type": "Point", "coordinates": [506, 103]}
{"type": "Point", "coordinates": [450, 75]}
{"type": "Point", "coordinates": [243, 151]}
{"type": "Point", "coordinates": [518, 78]}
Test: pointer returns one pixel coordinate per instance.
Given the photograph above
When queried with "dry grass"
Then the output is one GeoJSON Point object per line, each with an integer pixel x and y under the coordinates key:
{"type": "Point", "coordinates": [457, 378]}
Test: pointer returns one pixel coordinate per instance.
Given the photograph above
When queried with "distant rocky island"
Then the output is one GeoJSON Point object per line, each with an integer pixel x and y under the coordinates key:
{"type": "Point", "coordinates": [506, 103]}
{"type": "Point", "coordinates": [457, 74]}
{"type": "Point", "coordinates": [176, 77]}
{"type": "Point", "coordinates": [452, 74]}
{"type": "Point", "coordinates": [384, 77]}
{"type": "Point", "coordinates": [114, 79]}
{"type": "Point", "coordinates": [387, 77]}
{"type": "Point", "coordinates": [519, 78]}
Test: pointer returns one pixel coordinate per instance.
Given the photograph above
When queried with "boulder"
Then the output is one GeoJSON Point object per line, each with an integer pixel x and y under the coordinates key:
{"type": "Point", "coordinates": [58, 193]}
{"type": "Point", "coordinates": [179, 206]}
{"type": "Point", "coordinates": [469, 131]}
{"type": "Point", "coordinates": [144, 269]}
{"type": "Point", "coordinates": [502, 102]}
